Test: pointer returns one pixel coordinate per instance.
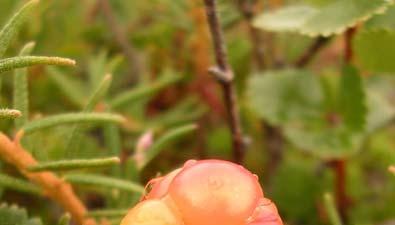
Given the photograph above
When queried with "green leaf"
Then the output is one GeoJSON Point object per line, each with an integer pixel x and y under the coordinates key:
{"type": "Point", "coordinates": [102, 181]}
{"type": "Point", "coordinates": [322, 141]}
{"type": "Point", "coordinates": [11, 28]}
{"type": "Point", "coordinates": [282, 96]}
{"type": "Point", "coordinates": [352, 105]}
{"type": "Point", "coordinates": [12, 215]}
{"type": "Point", "coordinates": [72, 88]}
{"type": "Point", "coordinates": [21, 92]}
{"type": "Point", "coordinates": [112, 140]}
{"type": "Point", "coordinates": [75, 164]}
{"type": "Point", "coordinates": [290, 18]}
{"type": "Point", "coordinates": [381, 110]}
{"type": "Point", "coordinates": [384, 21]}
{"type": "Point", "coordinates": [10, 113]}
{"type": "Point", "coordinates": [375, 50]}
{"type": "Point", "coordinates": [70, 118]}
{"type": "Point", "coordinates": [141, 92]}
{"type": "Point", "coordinates": [100, 65]}
{"type": "Point", "coordinates": [65, 219]}
{"type": "Point", "coordinates": [74, 139]}
{"type": "Point", "coordinates": [108, 213]}
{"type": "Point", "coordinates": [19, 185]}
{"type": "Point", "coordinates": [331, 210]}
{"type": "Point", "coordinates": [330, 19]}
{"type": "Point", "coordinates": [302, 105]}
{"type": "Point", "coordinates": [99, 93]}
{"type": "Point", "coordinates": [26, 61]}
{"type": "Point", "coordinates": [168, 137]}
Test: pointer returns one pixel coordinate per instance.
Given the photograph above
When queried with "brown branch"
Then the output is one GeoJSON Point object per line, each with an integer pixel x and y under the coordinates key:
{"type": "Point", "coordinates": [54, 187]}
{"type": "Point", "coordinates": [342, 200]}
{"type": "Point", "coordinates": [311, 52]}
{"type": "Point", "coordinates": [120, 37]}
{"type": "Point", "coordinates": [224, 75]}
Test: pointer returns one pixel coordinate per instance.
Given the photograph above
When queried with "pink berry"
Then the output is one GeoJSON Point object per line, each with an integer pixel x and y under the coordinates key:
{"type": "Point", "coordinates": [207, 192]}
{"type": "Point", "coordinates": [213, 192]}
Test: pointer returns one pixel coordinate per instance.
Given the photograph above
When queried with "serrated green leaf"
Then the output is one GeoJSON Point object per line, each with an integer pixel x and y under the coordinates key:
{"type": "Point", "coordinates": [70, 118]}
{"type": "Point", "coordinates": [352, 107]}
{"type": "Point", "coordinates": [330, 19]}
{"type": "Point", "coordinates": [298, 102]}
{"type": "Point", "coordinates": [381, 110]}
{"type": "Point", "coordinates": [375, 50]}
{"type": "Point", "coordinates": [384, 21]}
{"type": "Point", "coordinates": [74, 164]}
{"type": "Point", "coordinates": [282, 96]}
{"type": "Point", "coordinates": [21, 92]}
{"type": "Point", "coordinates": [26, 61]}
{"type": "Point", "coordinates": [103, 181]}
{"type": "Point", "coordinates": [11, 28]}
{"type": "Point", "coordinates": [12, 215]}
{"type": "Point", "coordinates": [290, 18]}
{"type": "Point", "coordinates": [335, 139]}
{"type": "Point", "coordinates": [322, 141]}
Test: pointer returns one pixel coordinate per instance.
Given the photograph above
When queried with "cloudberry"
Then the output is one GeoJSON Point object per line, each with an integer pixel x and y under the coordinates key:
{"type": "Point", "coordinates": [206, 192]}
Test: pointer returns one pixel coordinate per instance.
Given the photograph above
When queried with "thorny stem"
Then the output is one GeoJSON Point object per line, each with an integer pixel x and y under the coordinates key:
{"type": "Point", "coordinates": [224, 74]}
{"type": "Point", "coordinates": [120, 37]}
{"type": "Point", "coordinates": [311, 52]}
{"type": "Point", "coordinates": [54, 187]}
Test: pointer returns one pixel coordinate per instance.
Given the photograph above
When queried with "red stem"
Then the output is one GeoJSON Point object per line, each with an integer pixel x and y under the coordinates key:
{"type": "Point", "coordinates": [348, 51]}
{"type": "Point", "coordinates": [339, 167]}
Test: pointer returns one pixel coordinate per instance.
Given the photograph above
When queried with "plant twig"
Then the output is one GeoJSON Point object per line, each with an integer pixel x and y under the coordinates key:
{"type": "Point", "coordinates": [120, 37]}
{"type": "Point", "coordinates": [224, 75]}
{"type": "Point", "coordinates": [311, 52]}
{"type": "Point", "coordinates": [54, 187]}
{"type": "Point", "coordinates": [342, 201]}
{"type": "Point", "coordinates": [348, 51]}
